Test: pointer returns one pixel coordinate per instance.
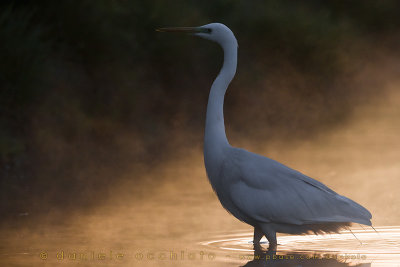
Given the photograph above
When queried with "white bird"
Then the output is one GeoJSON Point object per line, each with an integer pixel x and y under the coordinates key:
{"type": "Point", "coordinates": [255, 189]}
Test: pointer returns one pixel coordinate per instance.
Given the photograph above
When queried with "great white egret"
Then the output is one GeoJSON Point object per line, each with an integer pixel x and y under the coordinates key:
{"type": "Point", "coordinates": [255, 189]}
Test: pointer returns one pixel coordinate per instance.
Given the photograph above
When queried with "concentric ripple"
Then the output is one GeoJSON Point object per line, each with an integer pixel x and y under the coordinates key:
{"type": "Point", "coordinates": [358, 246]}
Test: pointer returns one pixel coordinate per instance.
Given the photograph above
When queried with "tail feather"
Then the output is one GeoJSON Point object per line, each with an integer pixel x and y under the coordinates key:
{"type": "Point", "coordinates": [316, 228]}
{"type": "Point", "coordinates": [354, 212]}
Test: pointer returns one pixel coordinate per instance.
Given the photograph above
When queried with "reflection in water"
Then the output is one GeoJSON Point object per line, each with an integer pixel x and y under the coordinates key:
{"type": "Point", "coordinates": [271, 258]}
{"type": "Point", "coordinates": [342, 249]}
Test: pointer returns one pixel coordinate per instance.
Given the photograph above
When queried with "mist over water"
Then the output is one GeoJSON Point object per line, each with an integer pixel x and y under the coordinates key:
{"type": "Point", "coordinates": [172, 217]}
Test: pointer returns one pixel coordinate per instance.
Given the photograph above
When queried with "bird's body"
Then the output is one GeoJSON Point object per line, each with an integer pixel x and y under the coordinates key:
{"type": "Point", "coordinates": [255, 189]}
{"type": "Point", "coordinates": [274, 198]}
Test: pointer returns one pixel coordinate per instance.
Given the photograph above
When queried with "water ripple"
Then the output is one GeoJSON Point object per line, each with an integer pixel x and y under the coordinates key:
{"type": "Point", "coordinates": [358, 246]}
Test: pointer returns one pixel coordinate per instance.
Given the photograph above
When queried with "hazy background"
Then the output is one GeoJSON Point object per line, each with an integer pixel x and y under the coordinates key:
{"type": "Point", "coordinates": [96, 108]}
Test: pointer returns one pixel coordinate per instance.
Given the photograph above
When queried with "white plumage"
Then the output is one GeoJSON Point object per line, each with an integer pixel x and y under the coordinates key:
{"type": "Point", "coordinates": [257, 190]}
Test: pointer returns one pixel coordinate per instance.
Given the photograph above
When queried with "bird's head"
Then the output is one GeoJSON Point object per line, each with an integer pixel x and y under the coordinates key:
{"type": "Point", "coordinates": [216, 32]}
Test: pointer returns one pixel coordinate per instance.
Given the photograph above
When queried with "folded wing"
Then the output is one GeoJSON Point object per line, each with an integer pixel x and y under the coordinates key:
{"type": "Point", "coordinates": [268, 191]}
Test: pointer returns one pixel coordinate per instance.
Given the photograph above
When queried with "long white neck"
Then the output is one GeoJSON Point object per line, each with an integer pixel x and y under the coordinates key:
{"type": "Point", "coordinates": [215, 137]}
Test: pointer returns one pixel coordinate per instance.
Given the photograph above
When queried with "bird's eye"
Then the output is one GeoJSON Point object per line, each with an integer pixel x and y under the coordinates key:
{"type": "Point", "coordinates": [209, 30]}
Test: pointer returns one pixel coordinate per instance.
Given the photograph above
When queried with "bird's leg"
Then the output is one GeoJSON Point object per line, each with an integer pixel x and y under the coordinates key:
{"type": "Point", "coordinates": [270, 234]}
{"type": "Point", "coordinates": [272, 241]}
{"type": "Point", "coordinates": [258, 234]}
